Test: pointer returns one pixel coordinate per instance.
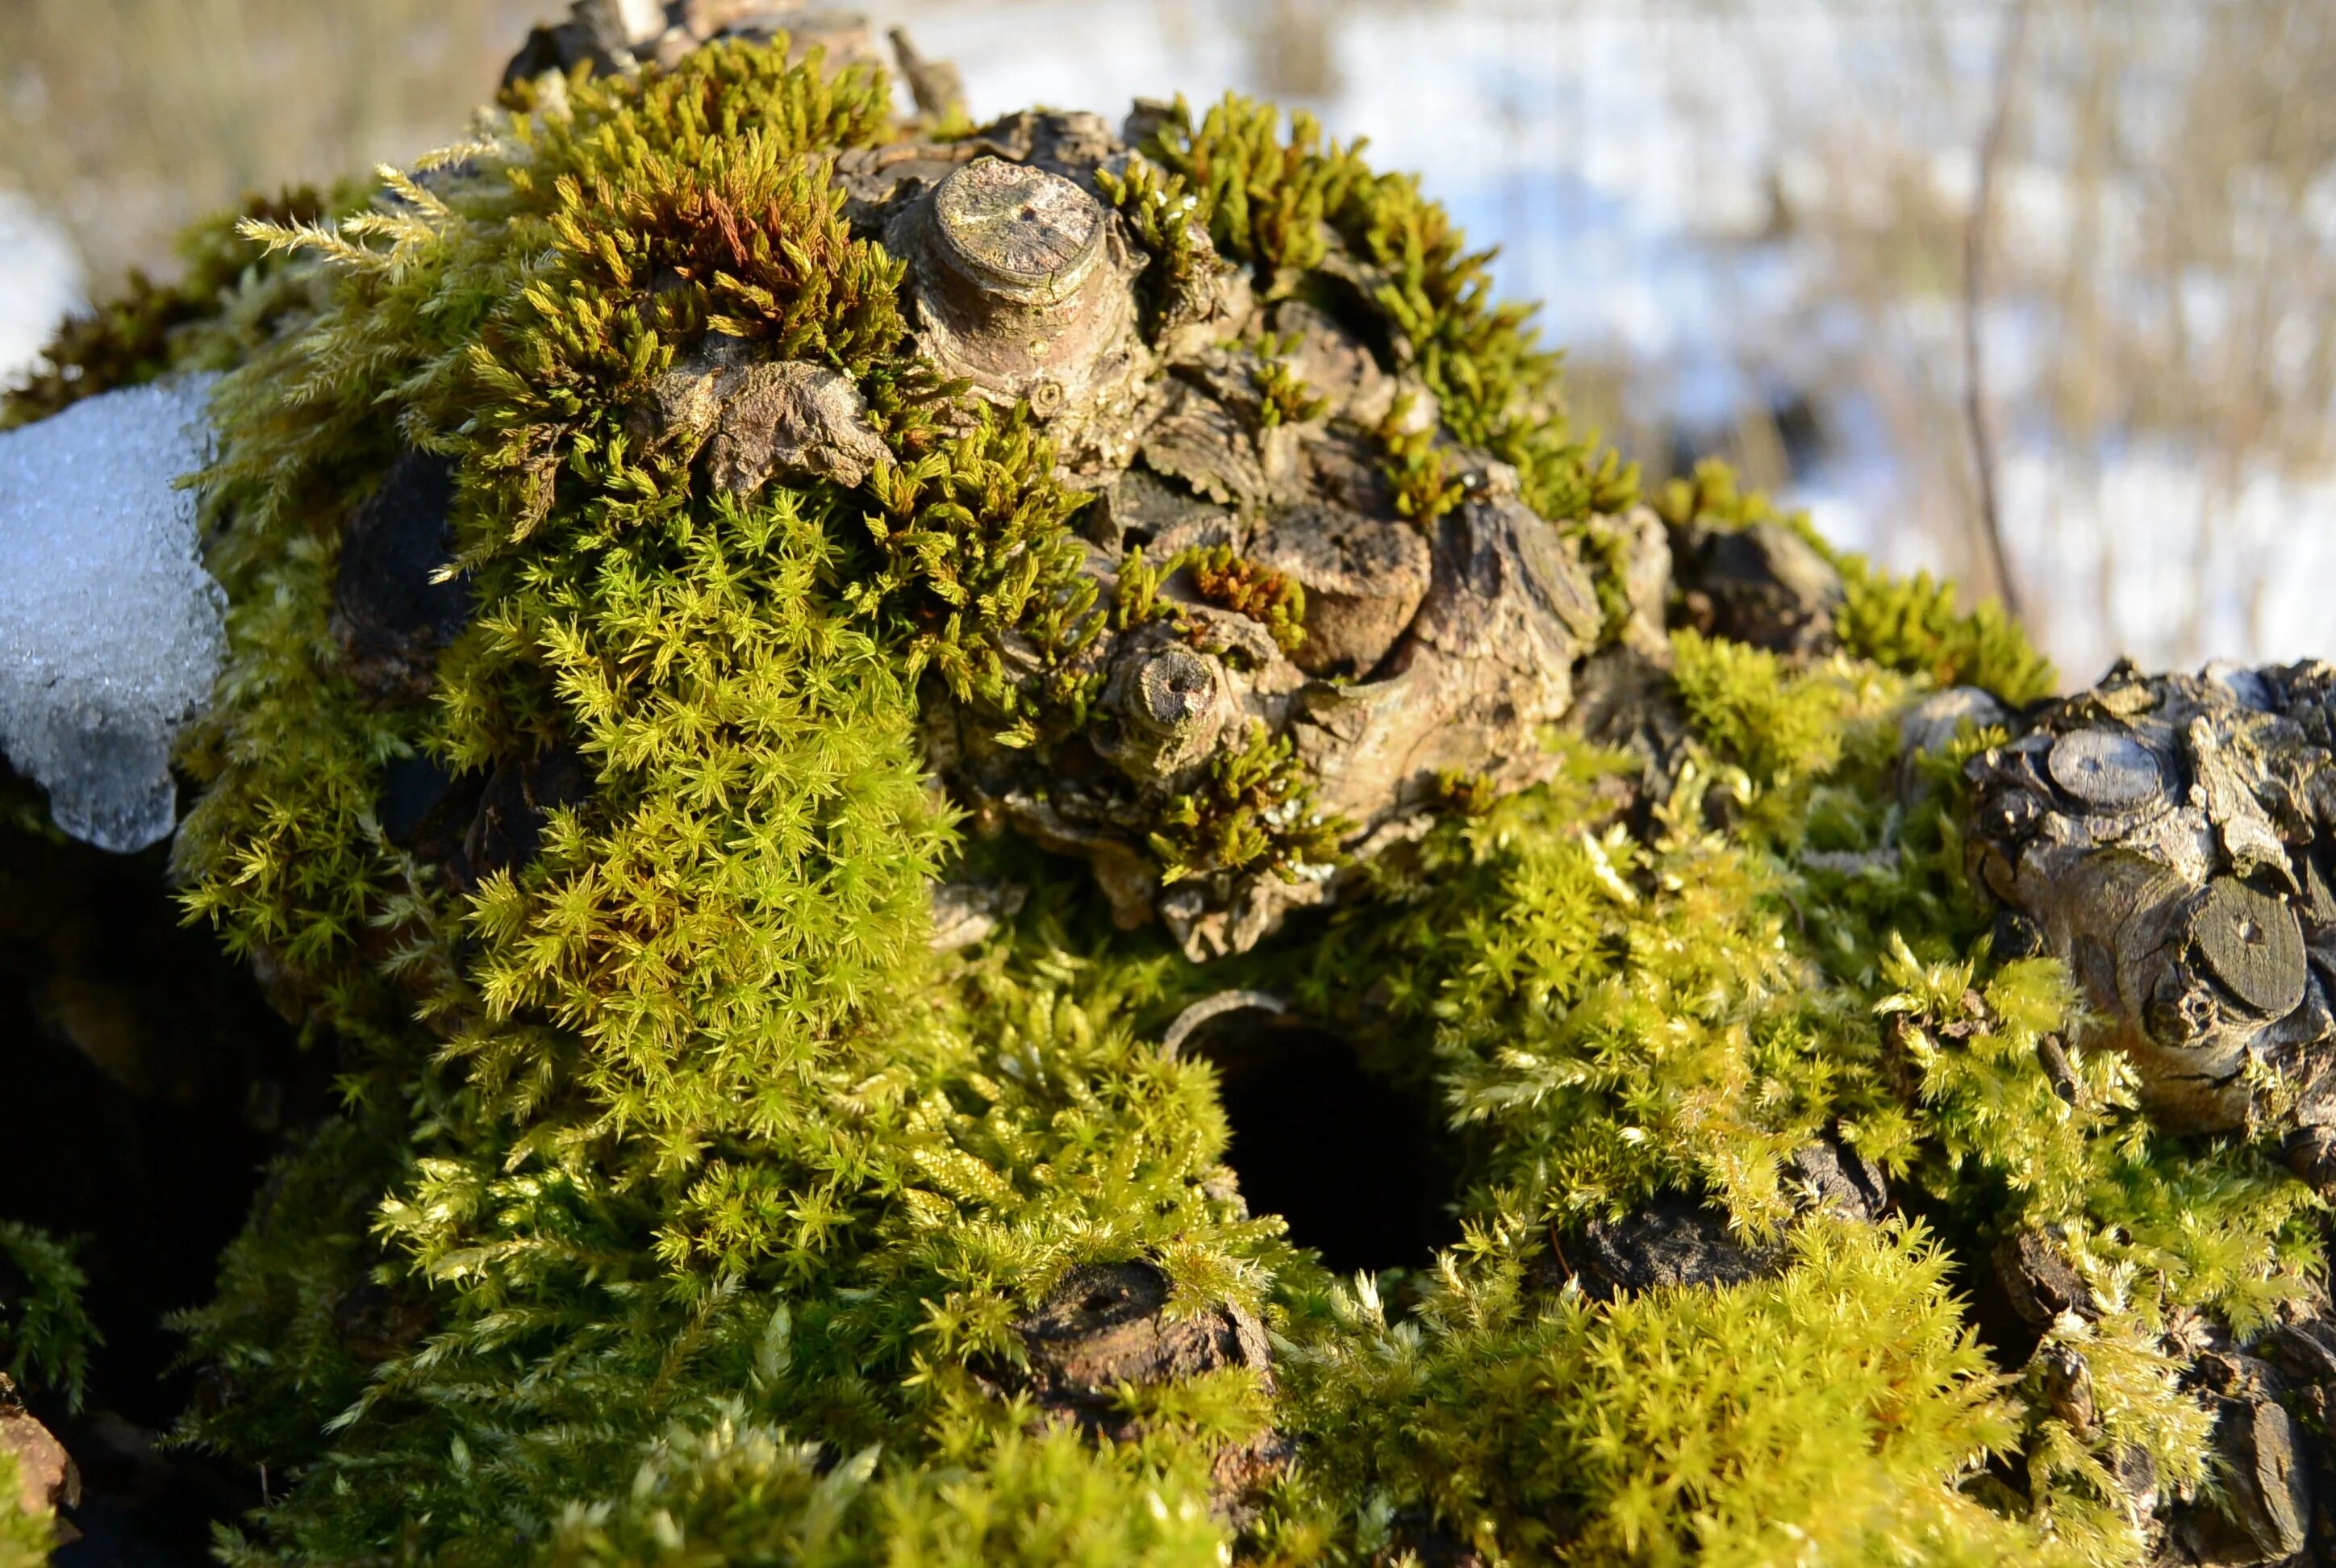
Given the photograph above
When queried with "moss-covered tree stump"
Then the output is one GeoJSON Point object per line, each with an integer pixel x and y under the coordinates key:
{"type": "Point", "coordinates": [853, 732]}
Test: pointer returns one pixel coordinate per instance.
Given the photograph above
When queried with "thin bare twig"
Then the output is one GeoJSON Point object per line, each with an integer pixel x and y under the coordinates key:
{"type": "Point", "coordinates": [1975, 239]}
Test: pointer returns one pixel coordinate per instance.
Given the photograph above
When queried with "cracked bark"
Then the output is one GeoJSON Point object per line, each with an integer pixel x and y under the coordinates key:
{"type": "Point", "coordinates": [2170, 837]}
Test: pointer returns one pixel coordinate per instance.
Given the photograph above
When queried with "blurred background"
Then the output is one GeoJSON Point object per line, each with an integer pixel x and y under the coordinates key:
{"type": "Point", "coordinates": [1783, 231]}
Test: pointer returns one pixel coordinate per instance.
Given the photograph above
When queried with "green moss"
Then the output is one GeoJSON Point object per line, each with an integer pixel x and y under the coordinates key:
{"type": "Point", "coordinates": [973, 547]}
{"type": "Point", "coordinates": [45, 1335]}
{"type": "Point", "coordinates": [1253, 812]}
{"type": "Point", "coordinates": [2139, 1406]}
{"type": "Point", "coordinates": [1837, 1413]}
{"type": "Point", "coordinates": [1914, 624]}
{"type": "Point", "coordinates": [1275, 203]}
{"type": "Point", "coordinates": [1179, 258]}
{"type": "Point", "coordinates": [1710, 494]}
{"type": "Point", "coordinates": [1609, 1018]}
{"type": "Point", "coordinates": [1910, 624]}
{"type": "Point", "coordinates": [683, 1201]}
{"type": "Point", "coordinates": [1288, 400]}
{"type": "Point", "coordinates": [1780, 726]}
{"type": "Point", "coordinates": [307, 1304]}
{"type": "Point", "coordinates": [736, 1492]}
{"type": "Point", "coordinates": [24, 1538]}
{"type": "Point", "coordinates": [1419, 472]}
{"type": "Point", "coordinates": [1469, 795]}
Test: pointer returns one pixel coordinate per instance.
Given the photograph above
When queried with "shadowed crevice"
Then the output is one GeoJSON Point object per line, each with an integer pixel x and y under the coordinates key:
{"type": "Point", "coordinates": [1360, 1167]}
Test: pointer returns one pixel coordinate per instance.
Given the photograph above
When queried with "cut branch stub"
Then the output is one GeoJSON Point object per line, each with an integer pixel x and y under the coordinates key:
{"type": "Point", "coordinates": [1107, 1326]}
{"type": "Point", "coordinates": [1017, 231]}
{"type": "Point", "coordinates": [2255, 945]}
{"type": "Point", "coordinates": [2104, 768]}
{"type": "Point", "coordinates": [1173, 705]}
{"type": "Point", "coordinates": [1023, 285]}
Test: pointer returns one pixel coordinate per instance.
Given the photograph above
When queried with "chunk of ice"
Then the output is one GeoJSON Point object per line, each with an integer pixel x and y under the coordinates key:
{"type": "Point", "coordinates": [110, 631]}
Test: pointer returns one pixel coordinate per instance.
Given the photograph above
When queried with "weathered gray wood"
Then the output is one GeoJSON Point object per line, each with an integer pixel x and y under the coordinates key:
{"type": "Point", "coordinates": [2106, 768]}
{"type": "Point", "coordinates": [2163, 834]}
{"type": "Point", "coordinates": [2253, 944]}
{"type": "Point", "coordinates": [1012, 227]}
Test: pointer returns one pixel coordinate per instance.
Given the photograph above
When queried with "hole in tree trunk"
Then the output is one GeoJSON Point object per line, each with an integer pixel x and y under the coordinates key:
{"type": "Point", "coordinates": [1361, 1168]}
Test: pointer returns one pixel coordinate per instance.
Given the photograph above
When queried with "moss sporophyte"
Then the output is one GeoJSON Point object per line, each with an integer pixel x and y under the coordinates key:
{"type": "Point", "coordinates": [680, 539]}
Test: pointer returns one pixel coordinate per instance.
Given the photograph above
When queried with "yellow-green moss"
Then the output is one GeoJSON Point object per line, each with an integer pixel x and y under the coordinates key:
{"type": "Point", "coordinates": [24, 1538]}
{"type": "Point", "coordinates": [1836, 1414]}
{"type": "Point", "coordinates": [1911, 625]}
{"type": "Point", "coordinates": [685, 1199]}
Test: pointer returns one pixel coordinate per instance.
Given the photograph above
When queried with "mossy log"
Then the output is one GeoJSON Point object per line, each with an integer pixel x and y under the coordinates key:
{"type": "Point", "coordinates": [850, 731]}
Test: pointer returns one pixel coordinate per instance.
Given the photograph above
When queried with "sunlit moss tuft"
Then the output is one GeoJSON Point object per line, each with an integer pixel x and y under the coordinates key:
{"type": "Point", "coordinates": [684, 1202]}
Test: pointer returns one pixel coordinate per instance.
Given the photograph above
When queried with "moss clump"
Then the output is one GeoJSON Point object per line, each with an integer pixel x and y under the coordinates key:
{"type": "Point", "coordinates": [1254, 811]}
{"type": "Point", "coordinates": [688, 1206]}
{"type": "Point", "coordinates": [25, 1537]}
{"type": "Point", "coordinates": [1840, 1412]}
{"type": "Point", "coordinates": [1913, 624]}
{"type": "Point", "coordinates": [1609, 1017]}
{"type": "Point", "coordinates": [1417, 470]}
{"type": "Point", "coordinates": [1910, 624]}
{"type": "Point", "coordinates": [973, 551]}
{"type": "Point", "coordinates": [45, 1335]}
{"type": "Point", "coordinates": [731, 1492]}
{"type": "Point", "coordinates": [1266, 597]}
{"type": "Point", "coordinates": [1281, 203]}
{"type": "Point", "coordinates": [1287, 399]}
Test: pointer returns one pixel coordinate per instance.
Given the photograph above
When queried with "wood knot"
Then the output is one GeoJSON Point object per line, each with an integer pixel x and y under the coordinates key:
{"type": "Point", "coordinates": [1106, 1324]}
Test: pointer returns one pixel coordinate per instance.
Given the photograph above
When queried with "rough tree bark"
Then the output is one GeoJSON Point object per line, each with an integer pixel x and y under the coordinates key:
{"type": "Point", "coordinates": [2170, 838]}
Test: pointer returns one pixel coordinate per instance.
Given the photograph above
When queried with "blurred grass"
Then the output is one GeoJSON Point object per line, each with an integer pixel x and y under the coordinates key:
{"type": "Point", "coordinates": [2164, 262]}
{"type": "Point", "coordinates": [2160, 280]}
{"type": "Point", "coordinates": [125, 119]}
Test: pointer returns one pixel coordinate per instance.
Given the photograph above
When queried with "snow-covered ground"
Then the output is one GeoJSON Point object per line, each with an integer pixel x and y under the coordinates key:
{"type": "Point", "coordinates": [1632, 160]}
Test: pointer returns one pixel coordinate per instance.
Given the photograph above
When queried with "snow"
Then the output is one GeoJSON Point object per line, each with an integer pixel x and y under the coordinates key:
{"type": "Point", "coordinates": [40, 283]}
{"type": "Point", "coordinates": [109, 630]}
